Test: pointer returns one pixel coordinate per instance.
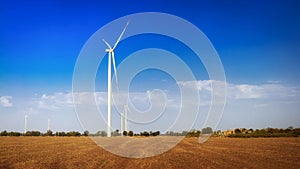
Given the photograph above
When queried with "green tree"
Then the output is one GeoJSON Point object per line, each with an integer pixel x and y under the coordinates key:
{"type": "Point", "coordinates": [116, 133]}
{"type": "Point", "coordinates": [14, 134]}
{"type": "Point", "coordinates": [32, 133]}
{"type": "Point", "coordinates": [157, 133]}
{"type": "Point", "coordinates": [101, 133]}
{"type": "Point", "coordinates": [130, 133]}
{"type": "Point", "coordinates": [73, 133]}
{"type": "Point", "coordinates": [296, 131]}
{"type": "Point", "coordinates": [145, 133]}
{"type": "Point", "coordinates": [4, 133]}
{"type": "Point", "coordinates": [125, 133]}
{"type": "Point", "coordinates": [49, 133]}
{"type": "Point", "coordinates": [60, 134]}
{"type": "Point", "coordinates": [237, 131]}
{"type": "Point", "coordinates": [86, 133]}
{"type": "Point", "coordinates": [207, 130]}
{"type": "Point", "coordinates": [218, 133]}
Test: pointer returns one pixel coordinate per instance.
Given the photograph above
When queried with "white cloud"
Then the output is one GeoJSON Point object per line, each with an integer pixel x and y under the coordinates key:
{"type": "Point", "coordinates": [254, 105]}
{"type": "Point", "coordinates": [246, 91]}
{"type": "Point", "coordinates": [263, 91]}
{"type": "Point", "coordinates": [247, 104]}
{"type": "Point", "coordinates": [5, 101]}
{"type": "Point", "coordinates": [54, 101]}
{"type": "Point", "coordinates": [141, 100]}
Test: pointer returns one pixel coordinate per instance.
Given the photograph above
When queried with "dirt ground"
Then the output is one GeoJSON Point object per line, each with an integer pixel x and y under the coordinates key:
{"type": "Point", "coordinates": [81, 152]}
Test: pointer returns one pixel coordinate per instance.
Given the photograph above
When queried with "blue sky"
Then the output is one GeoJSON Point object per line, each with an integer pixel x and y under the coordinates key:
{"type": "Point", "coordinates": [258, 44]}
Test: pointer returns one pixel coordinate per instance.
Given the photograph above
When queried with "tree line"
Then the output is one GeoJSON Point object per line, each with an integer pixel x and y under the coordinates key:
{"type": "Point", "coordinates": [127, 133]}
{"type": "Point", "coordinates": [48, 133]}
{"type": "Point", "coordinates": [77, 134]}
{"type": "Point", "coordinates": [267, 132]}
{"type": "Point", "coordinates": [238, 132]}
{"type": "Point", "coordinates": [191, 133]}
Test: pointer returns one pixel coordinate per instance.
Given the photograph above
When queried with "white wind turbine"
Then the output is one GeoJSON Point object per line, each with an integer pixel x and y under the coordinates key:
{"type": "Point", "coordinates": [48, 125]}
{"type": "Point", "coordinates": [124, 121]}
{"type": "Point", "coordinates": [25, 123]}
{"type": "Point", "coordinates": [111, 55]}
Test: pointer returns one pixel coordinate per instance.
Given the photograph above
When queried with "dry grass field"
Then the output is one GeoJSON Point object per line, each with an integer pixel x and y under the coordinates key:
{"type": "Point", "coordinates": [81, 152]}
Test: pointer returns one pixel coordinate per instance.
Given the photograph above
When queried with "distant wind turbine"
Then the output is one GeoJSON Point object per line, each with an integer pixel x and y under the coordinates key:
{"type": "Point", "coordinates": [48, 124]}
{"type": "Point", "coordinates": [124, 119]}
{"type": "Point", "coordinates": [111, 55]}
{"type": "Point", "coordinates": [25, 123]}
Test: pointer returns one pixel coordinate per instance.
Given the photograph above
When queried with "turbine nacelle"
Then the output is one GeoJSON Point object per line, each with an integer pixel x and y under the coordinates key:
{"type": "Point", "coordinates": [109, 50]}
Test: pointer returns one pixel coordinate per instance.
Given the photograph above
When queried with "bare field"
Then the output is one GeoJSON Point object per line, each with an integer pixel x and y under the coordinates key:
{"type": "Point", "coordinates": [81, 152]}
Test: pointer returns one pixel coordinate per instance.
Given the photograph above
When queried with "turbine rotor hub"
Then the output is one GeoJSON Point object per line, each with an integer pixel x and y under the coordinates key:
{"type": "Point", "coordinates": [109, 50]}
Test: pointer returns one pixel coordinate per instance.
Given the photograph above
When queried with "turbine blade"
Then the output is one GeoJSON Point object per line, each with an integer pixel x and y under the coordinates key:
{"type": "Point", "coordinates": [106, 43]}
{"type": "Point", "coordinates": [121, 35]}
{"type": "Point", "coordinates": [115, 68]}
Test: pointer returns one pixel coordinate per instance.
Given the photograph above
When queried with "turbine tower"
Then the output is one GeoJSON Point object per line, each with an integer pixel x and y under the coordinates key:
{"type": "Point", "coordinates": [25, 123]}
{"type": "Point", "coordinates": [125, 117]}
{"type": "Point", "coordinates": [48, 124]}
{"type": "Point", "coordinates": [111, 56]}
{"type": "Point", "coordinates": [124, 120]}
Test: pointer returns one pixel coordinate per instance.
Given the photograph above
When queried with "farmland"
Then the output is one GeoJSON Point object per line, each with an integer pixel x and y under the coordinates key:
{"type": "Point", "coordinates": [81, 152]}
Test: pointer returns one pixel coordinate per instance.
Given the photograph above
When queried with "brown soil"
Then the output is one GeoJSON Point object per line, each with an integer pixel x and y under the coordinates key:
{"type": "Point", "coordinates": [81, 152]}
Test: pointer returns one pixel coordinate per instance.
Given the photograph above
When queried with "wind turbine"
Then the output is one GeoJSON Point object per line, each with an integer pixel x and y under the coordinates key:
{"type": "Point", "coordinates": [48, 124]}
{"type": "Point", "coordinates": [124, 121]}
{"type": "Point", "coordinates": [25, 123]}
{"type": "Point", "coordinates": [111, 56]}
